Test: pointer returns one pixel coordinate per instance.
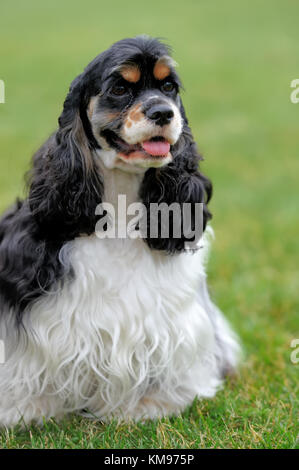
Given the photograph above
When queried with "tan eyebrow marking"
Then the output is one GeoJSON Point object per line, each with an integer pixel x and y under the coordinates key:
{"type": "Point", "coordinates": [163, 66]}
{"type": "Point", "coordinates": [161, 71]}
{"type": "Point", "coordinates": [131, 73]}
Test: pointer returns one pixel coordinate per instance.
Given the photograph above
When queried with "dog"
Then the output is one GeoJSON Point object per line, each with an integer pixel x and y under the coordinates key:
{"type": "Point", "coordinates": [110, 327]}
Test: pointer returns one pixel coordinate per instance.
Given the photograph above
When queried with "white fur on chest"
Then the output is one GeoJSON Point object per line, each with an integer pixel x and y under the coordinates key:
{"type": "Point", "coordinates": [129, 323]}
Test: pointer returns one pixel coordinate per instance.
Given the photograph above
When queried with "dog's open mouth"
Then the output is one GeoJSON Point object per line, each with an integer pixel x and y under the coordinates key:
{"type": "Point", "coordinates": [155, 148]}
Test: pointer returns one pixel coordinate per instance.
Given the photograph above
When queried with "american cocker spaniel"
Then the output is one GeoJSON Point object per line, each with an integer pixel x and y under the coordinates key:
{"type": "Point", "coordinates": [112, 318]}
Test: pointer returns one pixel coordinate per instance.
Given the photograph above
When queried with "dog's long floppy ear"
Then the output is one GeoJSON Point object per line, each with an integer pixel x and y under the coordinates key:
{"type": "Point", "coordinates": [65, 185]}
{"type": "Point", "coordinates": [178, 182]}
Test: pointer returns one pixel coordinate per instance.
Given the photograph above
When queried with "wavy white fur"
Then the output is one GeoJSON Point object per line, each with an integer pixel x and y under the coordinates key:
{"type": "Point", "coordinates": [133, 335]}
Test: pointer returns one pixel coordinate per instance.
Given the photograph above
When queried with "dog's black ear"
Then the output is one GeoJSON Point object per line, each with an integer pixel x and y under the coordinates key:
{"type": "Point", "coordinates": [65, 186]}
{"type": "Point", "coordinates": [178, 182]}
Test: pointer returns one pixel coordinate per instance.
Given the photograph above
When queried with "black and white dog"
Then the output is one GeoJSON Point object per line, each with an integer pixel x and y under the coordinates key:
{"type": "Point", "coordinates": [118, 326]}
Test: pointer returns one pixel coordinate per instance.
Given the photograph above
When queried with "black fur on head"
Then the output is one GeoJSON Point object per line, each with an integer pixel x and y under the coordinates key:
{"type": "Point", "coordinates": [65, 184]}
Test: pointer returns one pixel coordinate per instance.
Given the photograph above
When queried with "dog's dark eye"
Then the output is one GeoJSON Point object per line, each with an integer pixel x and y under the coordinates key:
{"type": "Point", "coordinates": [119, 90]}
{"type": "Point", "coordinates": [167, 87]}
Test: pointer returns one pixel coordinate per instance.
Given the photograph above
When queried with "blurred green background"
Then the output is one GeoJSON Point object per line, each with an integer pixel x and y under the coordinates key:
{"type": "Point", "coordinates": [236, 60]}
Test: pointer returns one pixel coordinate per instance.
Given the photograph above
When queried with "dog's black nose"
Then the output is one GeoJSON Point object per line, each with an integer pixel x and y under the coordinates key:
{"type": "Point", "coordinates": [161, 114]}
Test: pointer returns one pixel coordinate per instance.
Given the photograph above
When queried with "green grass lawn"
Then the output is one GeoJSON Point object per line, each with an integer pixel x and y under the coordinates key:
{"type": "Point", "coordinates": [237, 60]}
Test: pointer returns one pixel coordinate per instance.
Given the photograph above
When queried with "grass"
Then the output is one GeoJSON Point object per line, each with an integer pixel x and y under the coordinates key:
{"type": "Point", "coordinates": [237, 60]}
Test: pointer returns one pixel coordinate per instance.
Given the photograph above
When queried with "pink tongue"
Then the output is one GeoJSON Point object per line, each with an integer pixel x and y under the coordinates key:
{"type": "Point", "coordinates": [156, 147]}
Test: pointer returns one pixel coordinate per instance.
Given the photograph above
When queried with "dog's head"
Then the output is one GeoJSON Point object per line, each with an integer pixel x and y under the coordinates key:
{"type": "Point", "coordinates": [135, 112]}
{"type": "Point", "coordinates": [125, 108]}
{"type": "Point", "coordinates": [129, 104]}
